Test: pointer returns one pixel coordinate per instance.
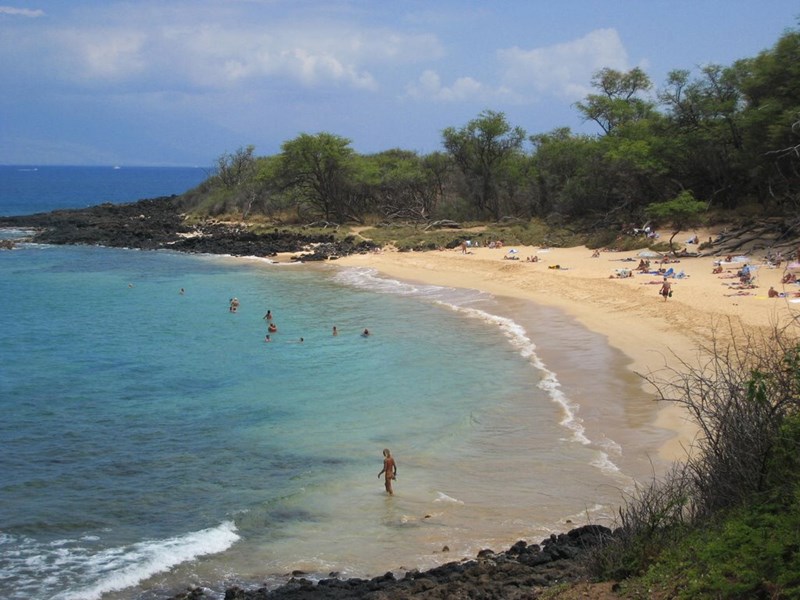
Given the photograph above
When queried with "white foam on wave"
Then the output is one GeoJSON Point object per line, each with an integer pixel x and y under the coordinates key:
{"type": "Point", "coordinates": [116, 569]}
{"type": "Point", "coordinates": [261, 259]}
{"type": "Point", "coordinates": [548, 383]}
{"type": "Point", "coordinates": [442, 497]}
{"type": "Point", "coordinates": [15, 233]}
{"type": "Point", "coordinates": [365, 278]}
{"type": "Point", "coordinates": [269, 261]}
{"type": "Point", "coordinates": [458, 300]}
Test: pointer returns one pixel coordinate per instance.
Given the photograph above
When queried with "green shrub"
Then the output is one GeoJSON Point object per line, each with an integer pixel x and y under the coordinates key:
{"type": "Point", "coordinates": [753, 552]}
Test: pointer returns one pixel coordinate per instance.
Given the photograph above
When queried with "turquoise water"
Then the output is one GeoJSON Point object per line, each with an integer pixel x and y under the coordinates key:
{"type": "Point", "coordinates": [152, 439]}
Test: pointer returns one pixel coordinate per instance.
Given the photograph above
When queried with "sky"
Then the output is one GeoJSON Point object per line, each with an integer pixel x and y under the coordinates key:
{"type": "Point", "coordinates": [182, 82]}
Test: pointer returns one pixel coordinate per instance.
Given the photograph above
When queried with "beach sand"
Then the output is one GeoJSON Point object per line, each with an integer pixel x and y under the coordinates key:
{"type": "Point", "coordinates": [655, 334]}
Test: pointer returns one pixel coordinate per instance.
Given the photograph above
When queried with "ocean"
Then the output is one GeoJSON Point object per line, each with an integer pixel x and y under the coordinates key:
{"type": "Point", "coordinates": [152, 439]}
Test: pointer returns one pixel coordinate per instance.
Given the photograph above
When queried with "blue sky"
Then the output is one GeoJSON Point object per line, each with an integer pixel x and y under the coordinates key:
{"type": "Point", "coordinates": [179, 82]}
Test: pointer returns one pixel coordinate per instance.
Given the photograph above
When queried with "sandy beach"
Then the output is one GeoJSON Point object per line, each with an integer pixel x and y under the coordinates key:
{"type": "Point", "coordinates": [628, 311]}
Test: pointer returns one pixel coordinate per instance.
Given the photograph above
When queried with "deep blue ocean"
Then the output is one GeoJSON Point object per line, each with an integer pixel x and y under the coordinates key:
{"type": "Point", "coordinates": [151, 439]}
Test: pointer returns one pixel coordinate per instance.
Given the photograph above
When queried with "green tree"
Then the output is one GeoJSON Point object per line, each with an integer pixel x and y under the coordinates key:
{"type": "Point", "coordinates": [317, 169]}
{"type": "Point", "coordinates": [770, 86]}
{"type": "Point", "coordinates": [702, 135]}
{"type": "Point", "coordinates": [480, 149]}
{"type": "Point", "coordinates": [403, 186]}
{"type": "Point", "coordinates": [681, 212]}
{"type": "Point", "coordinates": [561, 168]}
{"type": "Point", "coordinates": [618, 100]}
{"type": "Point", "coordinates": [439, 168]}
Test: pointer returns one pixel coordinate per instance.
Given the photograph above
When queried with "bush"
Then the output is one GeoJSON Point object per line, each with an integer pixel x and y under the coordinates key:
{"type": "Point", "coordinates": [726, 522]}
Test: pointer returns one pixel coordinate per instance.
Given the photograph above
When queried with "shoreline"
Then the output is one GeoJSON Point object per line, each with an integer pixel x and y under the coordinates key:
{"type": "Point", "coordinates": [652, 333]}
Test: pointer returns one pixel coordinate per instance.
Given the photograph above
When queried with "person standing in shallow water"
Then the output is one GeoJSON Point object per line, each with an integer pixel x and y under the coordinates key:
{"type": "Point", "coordinates": [389, 471]}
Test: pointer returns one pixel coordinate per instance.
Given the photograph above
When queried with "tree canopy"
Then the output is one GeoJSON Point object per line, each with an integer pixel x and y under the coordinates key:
{"type": "Point", "coordinates": [727, 134]}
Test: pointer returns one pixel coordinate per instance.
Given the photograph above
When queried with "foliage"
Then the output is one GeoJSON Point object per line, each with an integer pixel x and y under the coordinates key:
{"type": "Point", "coordinates": [681, 212]}
{"type": "Point", "coordinates": [316, 168]}
{"type": "Point", "coordinates": [726, 522]}
{"type": "Point", "coordinates": [727, 134]}
{"type": "Point", "coordinates": [750, 552]}
{"type": "Point", "coordinates": [481, 149]}
{"type": "Point", "coordinates": [770, 84]}
{"type": "Point", "coordinates": [618, 101]}
{"type": "Point", "coordinates": [234, 169]}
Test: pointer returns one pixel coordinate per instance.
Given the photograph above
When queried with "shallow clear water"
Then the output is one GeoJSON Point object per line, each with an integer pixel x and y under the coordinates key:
{"type": "Point", "coordinates": [152, 439]}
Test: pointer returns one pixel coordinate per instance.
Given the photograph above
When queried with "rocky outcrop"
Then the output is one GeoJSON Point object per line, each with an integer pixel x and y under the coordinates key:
{"type": "Point", "coordinates": [521, 572]}
{"type": "Point", "coordinates": [158, 224]}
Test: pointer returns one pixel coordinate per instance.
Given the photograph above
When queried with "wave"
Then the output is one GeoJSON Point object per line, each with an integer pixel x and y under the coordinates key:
{"type": "Point", "coordinates": [76, 570]}
{"type": "Point", "coordinates": [459, 300]}
{"type": "Point", "coordinates": [15, 233]}
{"type": "Point", "coordinates": [442, 497]}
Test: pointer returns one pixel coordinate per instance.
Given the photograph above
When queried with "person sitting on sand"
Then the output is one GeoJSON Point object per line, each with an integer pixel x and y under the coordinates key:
{"type": "Point", "coordinates": [389, 471]}
{"type": "Point", "coordinates": [773, 293]}
{"type": "Point", "coordinates": [596, 253]}
{"type": "Point", "coordinates": [789, 278]}
{"type": "Point", "coordinates": [717, 270]}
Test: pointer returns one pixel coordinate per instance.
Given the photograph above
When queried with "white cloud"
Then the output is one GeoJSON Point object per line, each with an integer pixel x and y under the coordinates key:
{"type": "Point", "coordinates": [21, 12]}
{"type": "Point", "coordinates": [110, 54]}
{"type": "Point", "coordinates": [564, 70]}
{"type": "Point", "coordinates": [220, 56]}
{"type": "Point", "coordinates": [429, 86]}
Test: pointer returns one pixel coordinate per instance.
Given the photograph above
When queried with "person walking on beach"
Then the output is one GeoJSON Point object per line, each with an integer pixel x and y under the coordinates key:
{"type": "Point", "coordinates": [389, 471]}
{"type": "Point", "coordinates": [666, 289]}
